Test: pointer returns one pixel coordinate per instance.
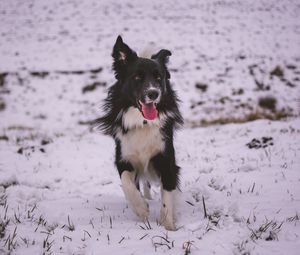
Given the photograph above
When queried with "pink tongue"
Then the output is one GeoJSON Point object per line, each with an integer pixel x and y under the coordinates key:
{"type": "Point", "coordinates": [149, 111]}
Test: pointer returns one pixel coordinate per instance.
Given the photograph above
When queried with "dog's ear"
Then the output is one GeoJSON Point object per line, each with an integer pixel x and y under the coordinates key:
{"type": "Point", "coordinates": [163, 57]}
{"type": "Point", "coordinates": [122, 55]}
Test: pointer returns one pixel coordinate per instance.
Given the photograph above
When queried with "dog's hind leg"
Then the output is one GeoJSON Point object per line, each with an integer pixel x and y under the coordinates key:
{"type": "Point", "coordinates": [132, 194]}
{"type": "Point", "coordinates": [147, 189]}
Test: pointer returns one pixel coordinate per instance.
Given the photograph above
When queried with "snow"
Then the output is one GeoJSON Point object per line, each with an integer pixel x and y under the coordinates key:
{"type": "Point", "coordinates": [59, 190]}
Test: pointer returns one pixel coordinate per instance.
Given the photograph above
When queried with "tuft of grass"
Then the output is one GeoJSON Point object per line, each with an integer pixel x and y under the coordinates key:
{"type": "Point", "coordinates": [293, 218]}
{"type": "Point", "coordinates": [25, 240]}
{"type": "Point", "coordinates": [3, 225]}
{"type": "Point", "coordinates": [213, 218]}
{"type": "Point", "coordinates": [11, 242]}
{"type": "Point", "coordinates": [3, 200]}
{"type": "Point", "coordinates": [202, 86]}
{"type": "Point", "coordinates": [146, 226]}
{"type": "Point", "coordinates": [8, 183]}
{"type": "Point", "coordinates": [39, 74]}
{"type": "Point", "coordinates": [2, 78]}
{"type": "Point", "coordinates": [242, 248]}
{"type": "Point", "coordinates": [2, 106]}
{"type": "Point", "coordinates": [41, 222]}
{"type": "Point", "coordinates": [251, 189]}
{"type": "Point", "coordinates": [70, 226]}
{"type": "Point", "coordinates": [187, 247]}
{"type": "Point", "coordinates": [4, 138]}
{"type": "Point", "coordinates": [162, 241]}
{"type": "Point", "coordinates": [268, 102]}
{"type": "Point", "coordinates": [260, 86]}
{"type": "Point", "coordinates": [47, 244]}
{"type": "Point", "coordinates": [267, 231]}
{"type": "Point", "coordinates": [239, 91]}
{"type": "Point", "coordinates": [277, 71]}
{"type": "Point", "coordinates": [258, 115]}
{"type": "Point", "coordinates": [30, 213]}
{"type": "Point", "coordinates": [93, 86]}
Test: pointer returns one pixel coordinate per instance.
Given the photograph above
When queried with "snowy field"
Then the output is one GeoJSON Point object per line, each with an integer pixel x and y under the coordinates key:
{"type": "Point", "coordinates": [236, 68]}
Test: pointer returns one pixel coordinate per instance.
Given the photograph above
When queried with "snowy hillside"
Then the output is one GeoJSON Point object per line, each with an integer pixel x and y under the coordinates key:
{"type": "Point", "coordinates": [232, 62]}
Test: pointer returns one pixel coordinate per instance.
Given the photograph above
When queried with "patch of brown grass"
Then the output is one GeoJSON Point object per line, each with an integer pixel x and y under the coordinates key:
{"type": "Point", "coordinates": [277, 115]}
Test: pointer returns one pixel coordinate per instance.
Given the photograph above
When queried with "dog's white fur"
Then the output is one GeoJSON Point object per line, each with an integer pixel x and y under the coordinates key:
{"type": "Point", "coordinates": [134, 119]}
{"type": "Point", "coordinates": [142, 141]}
{"type": "Point", "coordinates": [134, 197]}
{"type": "Point", "coordinates": [167, 208]}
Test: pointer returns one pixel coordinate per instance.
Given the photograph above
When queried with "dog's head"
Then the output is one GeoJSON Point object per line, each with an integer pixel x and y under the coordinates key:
{"type": "Point", "coordinates": [143, 80]}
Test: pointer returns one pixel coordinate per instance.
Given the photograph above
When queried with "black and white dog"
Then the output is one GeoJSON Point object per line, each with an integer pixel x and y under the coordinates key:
{"type": "Point", "coordinates": [141, 114]}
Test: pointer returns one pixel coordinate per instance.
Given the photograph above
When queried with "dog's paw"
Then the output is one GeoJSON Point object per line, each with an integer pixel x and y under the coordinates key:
{"type": "Point", "coordinates": [167, 222]}
{"type": "Point", "coordinates": [170, 226]}
{"type": "Point", "coordinates": [141, 208]}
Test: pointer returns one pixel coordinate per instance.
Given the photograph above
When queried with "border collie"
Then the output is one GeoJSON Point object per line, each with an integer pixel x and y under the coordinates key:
{"type": "Point", "coordinates": [141, 114]}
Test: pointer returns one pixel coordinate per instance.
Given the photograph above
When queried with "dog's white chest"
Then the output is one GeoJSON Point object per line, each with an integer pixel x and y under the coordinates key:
{"type": "Point", "coordinates": [138, 146]}
{"type": "Point", "coordinates": [142, 141]}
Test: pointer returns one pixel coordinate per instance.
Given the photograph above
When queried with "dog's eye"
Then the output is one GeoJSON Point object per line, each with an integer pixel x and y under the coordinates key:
{"type": "Point", "coordinates": [137, 77]}
{"type": "Point", "coordinates": [157, 75]}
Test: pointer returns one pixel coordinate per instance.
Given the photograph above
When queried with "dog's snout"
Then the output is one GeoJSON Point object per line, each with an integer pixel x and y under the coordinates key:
{"type": "Point", "coordinates": [152, 94]}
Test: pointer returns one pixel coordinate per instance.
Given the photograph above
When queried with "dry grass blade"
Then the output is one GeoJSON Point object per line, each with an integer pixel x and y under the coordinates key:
{"type": "Point", "coordinates": [187, 247]}
{"type": "Point", "coordinates": [204, 207]}
{"type": "Point", "coordinates": [161, 241]}
{"type": "Point", "coordinates": [121, 239]}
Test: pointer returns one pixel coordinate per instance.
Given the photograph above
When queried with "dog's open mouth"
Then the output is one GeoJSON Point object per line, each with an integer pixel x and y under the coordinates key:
{"type": "Point", "coordinates": [149, 110]}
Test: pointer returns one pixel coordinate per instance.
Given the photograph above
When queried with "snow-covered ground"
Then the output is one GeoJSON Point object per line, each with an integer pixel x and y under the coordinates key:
{"type": "Point", "coordinates": [66, 196]}
{"type": "Point", "coordinates": [232, 61]}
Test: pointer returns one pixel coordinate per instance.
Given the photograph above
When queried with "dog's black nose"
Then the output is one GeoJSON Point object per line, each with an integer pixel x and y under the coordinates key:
{"type": "Point", "coordinates": [152, 94]}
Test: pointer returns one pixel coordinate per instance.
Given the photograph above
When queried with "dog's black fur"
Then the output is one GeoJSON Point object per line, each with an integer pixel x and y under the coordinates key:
{"type": "Point", "coordinates": [134, 74]}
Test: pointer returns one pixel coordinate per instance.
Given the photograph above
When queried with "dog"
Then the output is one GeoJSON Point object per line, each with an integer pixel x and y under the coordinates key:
{"type": "Point", "coordinates": [141, 114]}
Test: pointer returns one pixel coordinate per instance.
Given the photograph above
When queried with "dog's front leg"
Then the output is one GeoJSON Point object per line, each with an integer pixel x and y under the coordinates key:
{"type": "Point", "coordinates": [132, 194]}
{"type": "Point", "coordinates": [164, 163]}
{"type": "Point", "coordinates": [167, 209]}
